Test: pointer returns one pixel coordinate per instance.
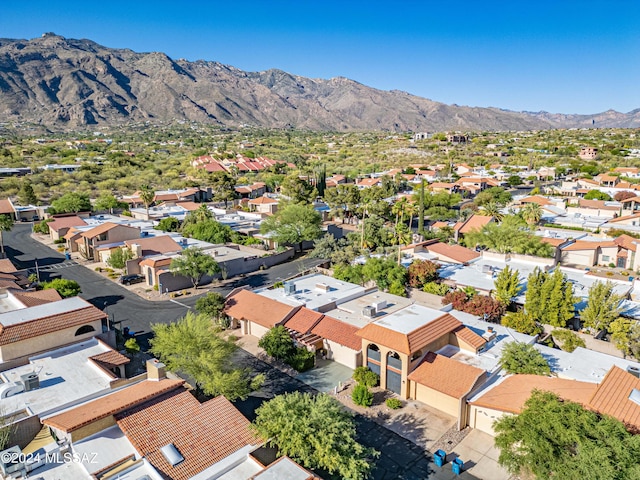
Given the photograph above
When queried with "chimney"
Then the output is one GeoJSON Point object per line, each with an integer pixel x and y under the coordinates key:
{"type": "Point", "coordinates": [155, 370]}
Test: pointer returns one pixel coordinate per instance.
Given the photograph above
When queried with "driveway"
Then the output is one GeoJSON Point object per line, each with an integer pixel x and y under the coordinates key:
{"type": "Point", "coordinates": [400, 459]}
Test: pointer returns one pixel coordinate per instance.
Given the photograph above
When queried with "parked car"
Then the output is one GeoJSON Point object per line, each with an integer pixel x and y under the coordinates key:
{"type": "Point", "coordinates": [131, 279]}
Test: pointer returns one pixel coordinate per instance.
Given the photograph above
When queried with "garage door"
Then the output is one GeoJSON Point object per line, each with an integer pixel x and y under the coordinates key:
{"type": "Point", "coordinates": [483, 419]}
{"type": "Point", "coordinates": [258, 330]}
{"type": "Point", "coordinates": [438, 400]}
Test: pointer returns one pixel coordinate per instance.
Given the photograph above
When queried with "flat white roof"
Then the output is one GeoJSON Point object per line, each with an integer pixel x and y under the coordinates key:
{"type": "Point", "coordinates": [104, 448]}
{"type": "Point", "coordinates": [283, 469]}
{"type": "Point", "coordinates": [310, 295]}
{"type": "Point", "coordinates": [351, 311]}
{"type": "Point", "coordinates": [40, 311]}
{"type": "Point", "coordinates": [8, 302]}
{"type": "Point", "coordinates": [407, 319]}
{"type": "Point", "coordinates": [582, 281]}
{"type": "Point", "coordinates": [582, 364]}
{"type": "Point", "coordinates": [67, 377]}
{"type": "Point", "coordinates": [489, 357]}
{"type": "Point", "coordinates": [61, 470]}
{"type": "Point", "coordinates": [472, 274]}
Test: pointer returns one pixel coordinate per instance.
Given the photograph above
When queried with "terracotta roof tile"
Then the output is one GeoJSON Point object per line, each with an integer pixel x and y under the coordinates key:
{"type": "Point", "coordinates": [66, 222]}
{"type": "Point", "coordinates": [554, 242]}
{"type": "Point", "coordinates": [413, 341]}
{"type": "Point", "coordinates": [246, 305]}
{"type": "Point", "coordinates": [474, 222]}
{"type": "Point", "coordinates": [6, 207]}
{"type": "Point", "coordinates": [156, 262]}
{"type": "Point", "coordinates": [203, 433]}
{"type": "Point", "coordinates": [40, 297]}
{"type": "Point", "coordinates": [339, 332]}
{"type": "Point", "coordinates": [469, 336]}
{"type": "Point", "coordinates": [111, 404]}
{"type": "Point", "coordinates": [625, 218]}
{"type": "Point", "coordinates": [6, 266]}
{"type": "Point", "coordinates": [454, 252]}
{"type": "Point", "coordinates": [155, 245]}
{"type": "Point", "coordinates": [612, 397]}
{"type": "Point", "coordinates": [42, 326]}
{"type": "Point", "coordinates": [540, 200]}
{"type": "Point", "coordinates": [627, 242]}
{"type": "Point", "coordinates": [262, 201]}
{"type": "Point", "coordinates": [446, 375]}
{"type": "Point", "coordinates": [597, 204]}
{"type": "Point", "coordinates": [587, 245]}
{"type": "Point", "coordinates": [111, 357]}
{"type": "Point", "coordinates": [514, 391]}
{"type": "Point", "coordinates": [303, 320]}
{"type": "Point", "coordinates": [100, 229]}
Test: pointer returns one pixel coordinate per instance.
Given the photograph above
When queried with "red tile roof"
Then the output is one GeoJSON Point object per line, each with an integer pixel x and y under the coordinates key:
{"type": "Point", "coordinates": [514, 391]}
{"type": "Point", "coordinates": [622, 219]}
{"type": "Point", "coordinates": [612, 397]}
{"type": "Point", "coordinates": [6, 207]}
{"type": "Point", "coordinates": [262, 201]}
{"type": "Point", "coordinates": [40, 297]}
{"type": "Point", "coordinates": [203, 433]}
{"type": "Point", "coordinates": [303, 320]}
{"type": "Point", "coordinates": [45, 325]}
{"type": "Point", "coordinates": [540, 200]}
{"type": "Point", "coordinates": [246, 305]}
{"type": "Point", "coordinates": [155, 245]}
{"type": "Point", "coordinates": [105, 227]}
{"type": "Point", "coordinates": [156, 262]}
{"type": "Point", "coordinates": [66, 222]}
{"type": "Point", "coordinates": [474, 222]}
{"type": "Point", "coordinates": [587, 245]}
{"type": "Point", "coordinates": [111, 404]}
{"type": "Point", "coordinates": [111, 358]}
{"type": "Point", "coordinates": [469, 336]}
{"type": "Point", "coordinates": [413, 341]}
{"type": "Point", "coordinates": [446, 375]}
{"type": "Point", "coordinates": [6, 266]}
{"type": "Point", "coordinates": [340, 332]}
{"type": "Point", "coordinates": [627, 242]}
{"type": "Point", "coordinates": [597, 204]}
{"type": "Point", "coordinates": [456, 253]}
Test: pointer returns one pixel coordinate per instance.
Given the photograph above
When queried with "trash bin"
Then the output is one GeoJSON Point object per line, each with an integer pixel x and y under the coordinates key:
{"type": "Point", "coordinates": [67, 255]}
{"type": "Point", "coordinates": [439, 457]}
{"type": "Point", "coordinates": [457, 465]}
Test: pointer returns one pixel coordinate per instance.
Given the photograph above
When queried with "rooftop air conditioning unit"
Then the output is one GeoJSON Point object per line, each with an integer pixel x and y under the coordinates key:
{"type": "Point", "coordinates": [31, 381]}
{"type": "Point", "coordinates": [323, 287]}
{"type": "Point", "coordinates": [379, 306]}
{"type": "Point", "coordinates": [369, 311]}
{"type": "Point", "coordinates": [289, 288]}
{"type": "Point", "coordinates": [487, 269]}
{"type": "Point", "coordinates": [633, 370]}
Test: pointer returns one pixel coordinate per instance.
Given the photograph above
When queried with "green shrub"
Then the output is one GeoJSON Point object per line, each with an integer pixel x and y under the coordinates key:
{"type": "Point", "coordinates": [155, 287]}
{"type": "Point", "coordinates": [393, 403]}
{"type": "Point", "coordinates": [440, 289]}
{"type": "Point", "coordinates": [301, 360]}
{"type": "Point", "coordinates": [59, 241]}
{"type": "Point", "coordinates": [364, 376]}
{"type": "Point", "coordinates": [567, 339]}
{"type": "Point", "coordinates": [362, 396]}
{"type": "Point", "coordinates": [131, 346]}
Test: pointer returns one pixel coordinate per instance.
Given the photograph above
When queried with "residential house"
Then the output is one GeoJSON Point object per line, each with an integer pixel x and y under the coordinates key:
{"type": "Point", "coordinates": [442, 252]}
{"type": "Point", "coordinates": [34, 322]}
{"type": "Point", "coordinates": [263, 204]}
{"type": "Point", "coordinates": [368, 182]}
{"type": "Point", "coordinates": [594, 208]}
{"type": "Point", "coordinates": [102, 235]}
{"type": "Point", "coordinates": [61, 224]}
{"type": "Point", "coordinates": [607, 180]}
{"type": "Point", "coordinates": [457, 138]}
{"type": "Point", "coordinates": [254, 190]}
{"type": "Point", "coordinates": [585, 253]}
{"type": "Point", "coordinates": [630, 172]}
{"type": "Point", "coordinates": [588, 153]}
{"type": "Point", "coordinates": [256, 314]}
{"type": "Point", "coordinates": [471, 224]}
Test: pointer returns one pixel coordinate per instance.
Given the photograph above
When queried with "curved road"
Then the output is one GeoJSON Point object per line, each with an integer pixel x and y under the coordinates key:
{"type": "Point", "coordinates": [119, 303]}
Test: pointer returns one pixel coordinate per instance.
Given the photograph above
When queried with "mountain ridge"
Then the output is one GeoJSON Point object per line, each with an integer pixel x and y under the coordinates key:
{"type": "Point", "coordinates": [72, 83]}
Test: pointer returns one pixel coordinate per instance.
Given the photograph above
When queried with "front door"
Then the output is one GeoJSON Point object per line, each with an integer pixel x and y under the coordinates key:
{"type": "Point", "coordinates": [621, 262]}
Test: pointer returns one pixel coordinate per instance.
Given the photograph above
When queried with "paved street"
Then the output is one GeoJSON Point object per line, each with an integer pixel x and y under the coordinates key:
{"type": "Point", "coordinates": [123, 306]}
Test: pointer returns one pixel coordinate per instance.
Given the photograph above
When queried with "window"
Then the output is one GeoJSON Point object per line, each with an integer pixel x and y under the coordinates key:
{"type": "Point", "coordinates": [605, 258]}
{"type": "Point", "coordinates": [85, 329]}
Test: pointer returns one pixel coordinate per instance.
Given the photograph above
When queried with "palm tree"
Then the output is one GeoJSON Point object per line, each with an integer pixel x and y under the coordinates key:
{"type": "Point", "coordinates": [492, 209]}
{"type": "Point", "coordinates": [411, 209]}
{"type": "Point", "coordinates": [6, 224]}
{"type": "Point", "coordinates": [147, 195]}
{"type": "Point", "coordinates": [531, 213]}
{"type": "Point", "coordinates": [399, 208]}
{"type": "Point", "coordinates": [403, 237]}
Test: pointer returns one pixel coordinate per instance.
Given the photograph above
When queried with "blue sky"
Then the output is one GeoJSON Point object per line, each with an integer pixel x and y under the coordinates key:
{"type": "Point", "coordinates": [564, 56]}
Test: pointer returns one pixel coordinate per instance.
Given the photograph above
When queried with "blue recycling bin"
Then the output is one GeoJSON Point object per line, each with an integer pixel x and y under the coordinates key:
{"type": "Point", "coordinates": [457, 466]}
{"type": "Point", "coordinates": [67, 255]}
{"type": "Point", "coordinates": [439, 457]}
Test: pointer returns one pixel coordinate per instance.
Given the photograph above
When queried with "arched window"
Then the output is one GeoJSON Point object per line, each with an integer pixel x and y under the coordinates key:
{"type": "Point", "coordinates": [393, 360]}
{"type": "Point", "coordinates": [416, 355]}
{"type": "Point", "coordinates": [85, 329]}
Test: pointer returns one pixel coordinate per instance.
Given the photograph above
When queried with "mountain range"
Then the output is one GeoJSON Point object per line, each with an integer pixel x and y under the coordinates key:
{"type": "Point", "coordinates": [70, 83]}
